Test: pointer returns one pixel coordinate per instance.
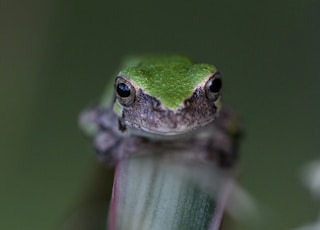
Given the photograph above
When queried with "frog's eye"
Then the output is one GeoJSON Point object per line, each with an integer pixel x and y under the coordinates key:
{"type": "Point", "coordinates": [213, 87]}
{"type": "Point", "coordinates": [125, 91]}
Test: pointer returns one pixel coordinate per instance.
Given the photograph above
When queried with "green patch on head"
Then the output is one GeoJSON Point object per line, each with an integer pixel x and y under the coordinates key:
{"type": "Point", "coordinates": [171, 79]}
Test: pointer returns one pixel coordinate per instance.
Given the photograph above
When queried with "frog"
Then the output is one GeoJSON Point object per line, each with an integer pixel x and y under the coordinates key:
{"type": "Point", "coordinates": [164, 103]}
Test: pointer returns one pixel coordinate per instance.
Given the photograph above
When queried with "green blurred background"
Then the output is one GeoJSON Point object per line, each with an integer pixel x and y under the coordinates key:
{"type": "Point", "coordinates": [56, 57]}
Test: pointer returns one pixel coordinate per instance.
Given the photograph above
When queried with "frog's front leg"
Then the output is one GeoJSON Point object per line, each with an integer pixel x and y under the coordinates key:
{"type": "Point", "coordinates": [106, 144]}
{"type": "Point", "coordinates": [226, 137]}
{"type": "Point", "coordinates": [101, 125]}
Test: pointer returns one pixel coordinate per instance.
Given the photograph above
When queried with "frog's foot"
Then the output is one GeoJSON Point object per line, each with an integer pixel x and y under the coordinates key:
{"type": "Point", "coordinates": [94, 119]}
{"type": "Point", "coordinates": [89, 121]}
{"type": "Point", "coordinates": [226, 137]}
{"type": "Point", "coordinates": [110, 147]}
{"type": "Point", "coordinates": [105, 144]}
{"type": "Point", "coordinates": [229, 121]}
{"type": "Point", "coordinates": [222, 149]}
{"type": "Point", "coordinates": [227, 157]}
{"type": "Point", "coordinates": [100, 124]}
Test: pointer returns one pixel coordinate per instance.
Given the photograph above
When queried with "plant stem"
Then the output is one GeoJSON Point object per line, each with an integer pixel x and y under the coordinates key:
{"type": "Point", "coordinates": [164, 192]}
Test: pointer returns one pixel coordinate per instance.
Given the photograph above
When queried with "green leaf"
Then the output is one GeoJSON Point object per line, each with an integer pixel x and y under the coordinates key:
{"type": "Point", "coordinates": [167, 192]}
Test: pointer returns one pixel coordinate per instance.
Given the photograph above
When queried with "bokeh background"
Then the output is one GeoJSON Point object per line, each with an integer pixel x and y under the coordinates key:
{"type": "Point", "coordinates": [56, 57]}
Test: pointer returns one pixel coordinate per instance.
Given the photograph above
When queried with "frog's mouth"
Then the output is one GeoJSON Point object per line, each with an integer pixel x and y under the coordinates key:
{"type": "Point", "coordinates": [167, 124]}
{"type": "Point", "coordinates": [164, 132]}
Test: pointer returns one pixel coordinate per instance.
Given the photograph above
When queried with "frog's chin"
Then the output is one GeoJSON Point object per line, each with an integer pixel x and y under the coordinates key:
{"type": "Point", "coordinates": [163, 134]}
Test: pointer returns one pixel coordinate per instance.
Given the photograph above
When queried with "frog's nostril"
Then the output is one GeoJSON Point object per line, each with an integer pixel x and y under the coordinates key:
{"type": "Point", "coordinates": [187, 102]}
{"type": "Point", "coordinates": [156, 105]}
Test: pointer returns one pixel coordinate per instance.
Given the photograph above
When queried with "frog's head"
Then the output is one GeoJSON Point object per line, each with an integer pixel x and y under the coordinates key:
{"type": "Point", "coordinates": [167, 96]}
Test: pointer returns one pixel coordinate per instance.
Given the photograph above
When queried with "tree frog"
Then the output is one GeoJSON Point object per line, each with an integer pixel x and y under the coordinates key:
{"type": "Point", "coordinates": [167, 103]}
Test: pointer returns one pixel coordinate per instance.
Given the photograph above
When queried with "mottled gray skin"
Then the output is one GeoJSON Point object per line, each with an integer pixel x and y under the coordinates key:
{"type": "Point", "coordinates": [217, 141]}
{"type": "Point", "coordinates": [164, 123]}
{"type": "Point", "coordinates": [168, 106]}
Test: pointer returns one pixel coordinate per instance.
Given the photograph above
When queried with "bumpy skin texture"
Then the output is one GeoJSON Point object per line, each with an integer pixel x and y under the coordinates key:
{"type": "Point", "coordinates": [198, 112]}
{"type": "Point", "coordinates": [171, 79]}
{"type": "Point", "coordinates": [169, 96]}
{"type": "Point", "coordinates": [172, 111]}
{"type": "Point", "coordinates": [217, 142]}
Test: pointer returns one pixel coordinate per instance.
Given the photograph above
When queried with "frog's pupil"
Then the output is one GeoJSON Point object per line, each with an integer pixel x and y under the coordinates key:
{"type": "Point", "coordinates": [216, 85]}
{"type": "Point", "coordinates": [123, 90]}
